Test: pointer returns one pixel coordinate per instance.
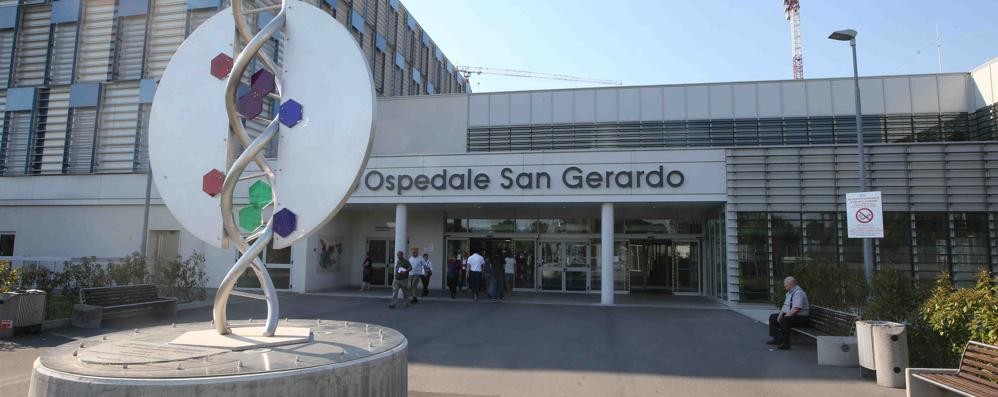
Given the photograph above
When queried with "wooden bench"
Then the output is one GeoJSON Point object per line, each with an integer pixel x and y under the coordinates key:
{"type": "Point", "coordinates": [96, 303]}
{"type": "Point", "coordinates": [828, 322]}
{"type": "Point", "coordinates": [976, 376]}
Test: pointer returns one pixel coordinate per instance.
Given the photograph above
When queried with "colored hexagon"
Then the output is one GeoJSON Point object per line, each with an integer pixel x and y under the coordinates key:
{"type": "Point", "coordinates": [285, 222]}
{"type": "Point", "coordinates": [211, 182]}
{"type": "Point", "coordinates": [262, 82]}
{"type": "Point", "coordinates": [250, 218]}
{"type": "Point", "coordinates": [221, 65]}
{"type": "Point", "coordinates": [291, 113]}
{"type": "Point", "coordinates": [260, 194]}
{"type": "Point", "coordinates": [250, 105]}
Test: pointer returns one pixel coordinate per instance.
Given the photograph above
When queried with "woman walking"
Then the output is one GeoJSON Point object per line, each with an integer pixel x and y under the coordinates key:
{"type": "Point", "coordinates": [453, 275]}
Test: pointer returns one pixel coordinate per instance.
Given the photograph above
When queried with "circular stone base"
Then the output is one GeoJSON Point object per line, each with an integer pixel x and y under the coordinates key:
{"type": "Point", "coordinates": [342, 358]}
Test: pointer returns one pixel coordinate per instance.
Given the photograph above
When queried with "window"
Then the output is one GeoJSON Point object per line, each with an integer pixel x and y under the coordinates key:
{"type": "Point", "coordinates": [931, 230]}
{"type": "Point", "coordinates": [820, 236]}
{"type": "Point", "coordinates": [895, 248]}
{"type": "Point", "coordinates": [752, 252]}
{"type": "Point", "coordinates": [970, 246]}
{"type": "Point", "coordinates": [7, 244]}
{"type": "Point", "coordinates": [278, 262]}
{"type": "Point", "coordinates": [786, 232]}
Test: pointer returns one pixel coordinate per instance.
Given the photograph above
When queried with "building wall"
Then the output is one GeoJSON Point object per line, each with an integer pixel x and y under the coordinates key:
{"type": "Point", "coordinates": [83, 106]}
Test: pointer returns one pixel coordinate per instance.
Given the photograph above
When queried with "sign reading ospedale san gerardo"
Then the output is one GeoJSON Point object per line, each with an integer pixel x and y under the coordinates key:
{"type": "Point", "coordinates": [476, 176]}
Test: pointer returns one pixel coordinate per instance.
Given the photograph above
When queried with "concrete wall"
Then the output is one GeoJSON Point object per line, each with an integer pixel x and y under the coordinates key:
{"type": "Point", "coordinates": [421, 125]}
{"type": "Point", "coordinates": [984, 80]}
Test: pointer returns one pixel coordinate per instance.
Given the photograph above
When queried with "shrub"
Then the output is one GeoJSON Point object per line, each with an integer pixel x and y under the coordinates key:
{"type": "Point", "coordinates": [131, 270]}
{"type": "Point", "coordinates": [827, 284]}
{"type": "Point", "coordinates": [184, 280]}
{"type": "Point", "coordinates": [41, 278]}
{"type": "Point", "coordinates": [897, 297]}
{"type": "Point", "coordinates": [958, 315]}
{"type": "Point", "coordinates": [8, 277]}
{"type": "Point", "coordinates": [86, 274]}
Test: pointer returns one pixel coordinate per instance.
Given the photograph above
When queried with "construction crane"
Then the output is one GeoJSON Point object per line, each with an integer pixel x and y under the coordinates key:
{"type": "Point", "coordinates": [467, 71]}
{"type": "Point", "coordinates": [792, 9]}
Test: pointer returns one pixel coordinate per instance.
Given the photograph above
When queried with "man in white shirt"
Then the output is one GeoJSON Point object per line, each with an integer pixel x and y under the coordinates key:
{"type": "Point", "coordinates": [795, 312]}
{"type": "Point", "coordinates": [427, 273]}
{"type": "Point", "coordinates": [418, 270]}
{"type": "Point", "coordinates": [475, 264]}
{"type": "Point", "coordinates": [510, 269]}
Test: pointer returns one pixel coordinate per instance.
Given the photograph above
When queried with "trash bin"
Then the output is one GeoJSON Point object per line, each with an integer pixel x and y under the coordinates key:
{"type": "Point", "coordinates": [22, 312]}
{"type": "Point", "coordinates": [890, 353]}
{"type": "Point", "coordinates": [864, 343]}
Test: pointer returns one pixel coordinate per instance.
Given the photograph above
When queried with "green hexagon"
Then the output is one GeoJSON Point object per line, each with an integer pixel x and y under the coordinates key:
{"type": "Point", "coordinates": [250, 218]}
{"type": "Point", "coordinates": [260, 194]}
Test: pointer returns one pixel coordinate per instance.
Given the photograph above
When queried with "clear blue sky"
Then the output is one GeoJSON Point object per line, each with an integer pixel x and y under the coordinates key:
{"type": "Point", "coordinates": [688, 41]}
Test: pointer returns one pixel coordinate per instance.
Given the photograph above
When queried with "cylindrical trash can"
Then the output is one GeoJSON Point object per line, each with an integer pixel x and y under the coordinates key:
{"type": "Point", "coordinates": [864, 343]}
{"type": "Point", "coordinates": [890, 352]}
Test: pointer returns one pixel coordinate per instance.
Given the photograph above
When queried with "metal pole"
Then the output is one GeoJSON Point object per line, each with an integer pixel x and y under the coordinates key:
{"type": "Point", "coordinates": [861, 150]}
{"type": "Point", "coordinates": [145, 215]}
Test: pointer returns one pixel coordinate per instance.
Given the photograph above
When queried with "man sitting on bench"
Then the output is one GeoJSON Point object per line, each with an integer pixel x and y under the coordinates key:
{"type": "Point", "coordinates": [794, 312]}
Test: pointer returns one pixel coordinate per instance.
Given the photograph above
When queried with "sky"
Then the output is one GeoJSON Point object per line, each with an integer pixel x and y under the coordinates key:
{"type": "Point", "coordinates": [645, 42]}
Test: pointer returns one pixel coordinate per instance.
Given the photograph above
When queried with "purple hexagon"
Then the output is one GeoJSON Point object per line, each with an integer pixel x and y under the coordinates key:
{"type": "Point", "coordinates": [262, 82]}
{"type": "Point", "coordinates": [291, 113]}
{"type": "Point", "coordinates": [285, 222]}
{"type": "Point", "coordinates": [221, 65]}
{"type": "Point", "coordinates": [250, 105]}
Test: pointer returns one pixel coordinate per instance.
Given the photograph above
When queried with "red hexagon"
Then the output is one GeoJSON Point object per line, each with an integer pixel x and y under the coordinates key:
{"type": "Point", "coordinates": [211, 183]}
{"type": "Point", "coordinates": [221, 65]}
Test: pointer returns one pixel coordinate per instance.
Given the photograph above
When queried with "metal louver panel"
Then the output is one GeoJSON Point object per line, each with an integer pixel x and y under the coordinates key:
{"type": "Point", "coordinates": [50, 131]}
{"type": "Point", "coordinates": [15, 143]}
{"type": "Point", "coordinates": [80, 154]}
{"type": "Point", "coordinates": [169, 26]}
{"type": "Point", "coordinates": [142, 145]}
{"type": "Point", "coordinates": [6, 50]}
{"type": "Point", "coordinates": [379, 72]}
{"type": "Point", "coordinates": [117, 128]}
{"type": "Point", "coordinates": [32, 46]}
{"type": "Point", "coordinates": [196, 17]}
{"type": "Point", "coordinates": [63, 53]}
{"type": "Point", "coordinates": [343, 12]}
{"type": "Point", "coordinates": [130, 47]}
{"type": "Point", "coordinates": [96, 40]}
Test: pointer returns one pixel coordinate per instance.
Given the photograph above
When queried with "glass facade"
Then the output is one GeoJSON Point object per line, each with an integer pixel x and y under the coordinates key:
{"type": "Point", "coordinates": [888, 128]}
{"type": "Point", "coordinates": [923, 243]}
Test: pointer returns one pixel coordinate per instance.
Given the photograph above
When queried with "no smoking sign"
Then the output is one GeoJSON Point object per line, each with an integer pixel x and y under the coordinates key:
{"type": "Point", "coordinates": [865, 219]}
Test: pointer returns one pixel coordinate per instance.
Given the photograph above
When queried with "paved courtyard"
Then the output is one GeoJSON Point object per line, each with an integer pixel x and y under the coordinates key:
{"type": "Point", "coordinates": [683, 347]}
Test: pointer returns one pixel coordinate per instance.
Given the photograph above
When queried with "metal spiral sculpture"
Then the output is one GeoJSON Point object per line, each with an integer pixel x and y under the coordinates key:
{"type": "Point", "coordinates": [252, 245]}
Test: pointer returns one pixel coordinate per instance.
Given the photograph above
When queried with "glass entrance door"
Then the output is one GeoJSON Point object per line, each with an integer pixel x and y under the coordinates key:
{"type": "Point", "coordinates": [564, 266]}
{"type": "Point", "coordinates": [687, 266]}
{"type": "Point", "coordinates": [650, 264]}
{"type": "Point", "coordinates": [524, 252]}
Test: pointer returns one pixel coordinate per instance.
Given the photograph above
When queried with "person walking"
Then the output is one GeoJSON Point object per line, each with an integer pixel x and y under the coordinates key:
{"type": "Point", "coordinates": [475, 264]}
{"type": "Point", "coordinates": [401, 281]}
{"type": "Point", "coordinates": [453, 275]}
{"type": "Point", "coordinates": [418, 270]}
{"type": "Point", "coordinates": [491, 269]}
{"type": "Point", "coordinates": [510, 269]}
{"type": "Point", "coordinates": [367, 273]}
{"type": "Point", "coordinates": [427, 272]}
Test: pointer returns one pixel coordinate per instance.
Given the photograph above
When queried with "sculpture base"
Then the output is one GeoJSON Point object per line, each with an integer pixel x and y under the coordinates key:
{"type": "Point", "coordinates": [340, 358]}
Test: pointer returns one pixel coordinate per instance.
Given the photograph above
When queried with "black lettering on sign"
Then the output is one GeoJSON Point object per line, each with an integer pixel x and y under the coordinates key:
{"type": "Point", "coordinates": [572, 177]}
{"type": "Point", "coordinates": [378, 177]}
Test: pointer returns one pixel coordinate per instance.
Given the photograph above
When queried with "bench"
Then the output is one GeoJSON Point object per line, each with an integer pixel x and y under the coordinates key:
{"type": "Point", "coordinates": [976, 376]}
{"type": "Point", "coordinates": [834, 334]}
{"type": "Point", "coordinates": [828, 322]}
{"type": "Point", "coordinates": [96, 303]}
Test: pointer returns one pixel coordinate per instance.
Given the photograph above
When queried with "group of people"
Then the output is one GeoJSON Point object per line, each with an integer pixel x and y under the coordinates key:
{"type": "Point", "coordinates": [409, 274]}
{"type": "Point", "coordinates": [481, 273]}
{"type": "Point", "coordinates": [475, 271]}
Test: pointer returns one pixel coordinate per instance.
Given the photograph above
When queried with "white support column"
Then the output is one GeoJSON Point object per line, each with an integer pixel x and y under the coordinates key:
{"type": "Point", "coordinates": [606, 255]}
{"type": "Point", "coordinates": [401, 230]}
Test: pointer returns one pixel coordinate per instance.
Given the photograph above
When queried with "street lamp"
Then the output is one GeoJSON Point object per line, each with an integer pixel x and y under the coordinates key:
{"type": "Point", "coordinates": [850, 36]}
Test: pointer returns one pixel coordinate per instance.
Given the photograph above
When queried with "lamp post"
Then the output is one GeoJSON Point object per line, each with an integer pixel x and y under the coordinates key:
{"type": "Point", "coordinates": [850, 36]}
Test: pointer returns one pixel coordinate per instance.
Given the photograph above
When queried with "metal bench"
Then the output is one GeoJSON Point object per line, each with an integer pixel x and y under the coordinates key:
{"type": "Point", "coordinates": [96, 303]}
{"type": "Point", "coordinates": [828, 322]}
{"type": "Point", "coordinates": [976, 376]}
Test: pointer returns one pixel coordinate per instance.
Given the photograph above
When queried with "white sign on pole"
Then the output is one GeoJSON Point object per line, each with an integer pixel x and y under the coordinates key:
{"type": "Point", "coordinates": [864, 215]}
